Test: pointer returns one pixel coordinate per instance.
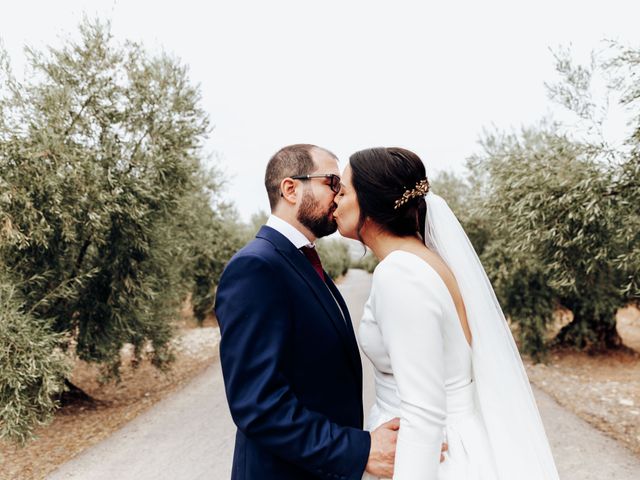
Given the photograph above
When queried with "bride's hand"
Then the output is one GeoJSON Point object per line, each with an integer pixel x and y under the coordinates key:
{"type": "Point", "coordinates": [383, 449]}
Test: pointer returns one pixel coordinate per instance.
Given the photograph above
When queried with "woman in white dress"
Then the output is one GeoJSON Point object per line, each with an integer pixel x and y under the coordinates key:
{"type": "Point", "coordinates": [444, 359]}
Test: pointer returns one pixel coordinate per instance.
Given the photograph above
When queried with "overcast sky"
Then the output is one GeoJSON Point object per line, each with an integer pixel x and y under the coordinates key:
{"type": "Point", "coordinates": [346, 75]}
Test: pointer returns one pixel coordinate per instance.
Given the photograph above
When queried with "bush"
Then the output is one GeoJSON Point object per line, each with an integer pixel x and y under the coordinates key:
{"type": "Point", "coordinates": [367, 263]}
{"type": "Point", "coordinates": [334, 254]}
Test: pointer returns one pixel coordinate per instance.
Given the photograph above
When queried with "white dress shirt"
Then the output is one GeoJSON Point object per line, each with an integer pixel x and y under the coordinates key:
{"type": "Point", "coordinates": [294, 235]}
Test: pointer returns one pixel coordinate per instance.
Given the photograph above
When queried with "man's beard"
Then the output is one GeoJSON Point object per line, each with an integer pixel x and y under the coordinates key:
{"type": "Point", "coordinates": [311, 217]}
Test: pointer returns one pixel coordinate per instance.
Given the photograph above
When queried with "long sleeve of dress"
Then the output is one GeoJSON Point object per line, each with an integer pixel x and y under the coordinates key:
{"type": "Point", "coordinates": [409, 314]}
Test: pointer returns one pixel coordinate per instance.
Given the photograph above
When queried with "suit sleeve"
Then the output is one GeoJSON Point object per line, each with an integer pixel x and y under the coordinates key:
{"type": "Point", "coordinates": [409, 316]}
{"type": "Point", "coordinates": [253, 312]}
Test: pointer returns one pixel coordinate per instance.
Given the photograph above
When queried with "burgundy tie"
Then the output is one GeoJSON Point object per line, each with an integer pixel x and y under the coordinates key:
{"type": "Point", "coordinates": [314, 258]}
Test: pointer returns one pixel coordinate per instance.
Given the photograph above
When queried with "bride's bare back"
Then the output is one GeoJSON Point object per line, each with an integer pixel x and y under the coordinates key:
{"type": "Point", "coordinates": [441, 268]}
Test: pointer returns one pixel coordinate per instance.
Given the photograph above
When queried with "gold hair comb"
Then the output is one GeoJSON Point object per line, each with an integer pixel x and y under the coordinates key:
{"type": "Point", "coordinates": [420, 190]}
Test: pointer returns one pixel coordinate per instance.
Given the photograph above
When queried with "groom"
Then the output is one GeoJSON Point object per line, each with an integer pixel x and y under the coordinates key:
{"type": "Point", "coordinates": [289, 356]}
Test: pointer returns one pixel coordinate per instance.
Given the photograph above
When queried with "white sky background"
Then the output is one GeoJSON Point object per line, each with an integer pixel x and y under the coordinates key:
{"type": "Point", "coordinates": [346, 75]}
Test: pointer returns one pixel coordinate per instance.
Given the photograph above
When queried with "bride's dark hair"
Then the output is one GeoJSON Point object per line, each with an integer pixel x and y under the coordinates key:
{"type": "Point", "coordinates": [380, 177]}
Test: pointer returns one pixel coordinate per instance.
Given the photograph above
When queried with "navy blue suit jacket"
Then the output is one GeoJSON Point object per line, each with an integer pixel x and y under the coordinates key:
{"type": "Point", "coordinates": [291, 367]}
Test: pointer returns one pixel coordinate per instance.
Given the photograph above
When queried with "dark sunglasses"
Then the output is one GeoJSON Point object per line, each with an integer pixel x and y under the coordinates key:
{"type": "Point", "coordinates": [334, 183]}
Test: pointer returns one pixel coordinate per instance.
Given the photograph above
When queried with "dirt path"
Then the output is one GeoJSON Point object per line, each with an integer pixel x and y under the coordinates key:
{"type": "Point", "coordinates": [189, 436]}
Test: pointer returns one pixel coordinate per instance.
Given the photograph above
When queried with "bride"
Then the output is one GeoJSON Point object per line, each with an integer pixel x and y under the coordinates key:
{"type": "Point", "coordinates": [444, 359]}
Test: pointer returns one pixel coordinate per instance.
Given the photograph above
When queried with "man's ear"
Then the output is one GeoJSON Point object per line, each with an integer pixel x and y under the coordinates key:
{"type": "Point", "coordinates": [288, 190]}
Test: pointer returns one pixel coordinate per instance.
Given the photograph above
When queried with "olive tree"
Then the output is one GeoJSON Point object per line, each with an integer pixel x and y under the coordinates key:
{"type": "Point", "coordinates": [107, 216]}
{"type": "Point", "coordinates": [555, 236]}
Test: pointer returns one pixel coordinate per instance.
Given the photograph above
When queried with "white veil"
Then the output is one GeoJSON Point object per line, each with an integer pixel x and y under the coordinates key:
{"type": "Point", "coordinates": [518, 440]}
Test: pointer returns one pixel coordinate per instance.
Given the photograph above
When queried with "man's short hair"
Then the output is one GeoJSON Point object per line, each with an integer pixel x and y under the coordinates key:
{"type": "Point", "coordinates": [288, 162]}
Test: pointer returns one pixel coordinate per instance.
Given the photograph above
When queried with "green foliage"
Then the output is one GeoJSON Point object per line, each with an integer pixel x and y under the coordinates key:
{"type": "Point", "coordinates": [517, 278]}
{"type": "Point", "coordinates": [462, 195]}
{"type": "Point", "coordinates": [627, 187]}
{"type": "Point", "coordinates": [334, 254]}
{"type": "Point", "coordinates": [100, 147]}
{"type": "Point", "coordinates": [555, 236]}
{"type": "Point", "coordinates": [32, 367]}
{"type": "Point", "coordinates": [520, 284]}
{"type": "Point", "coordinates": [248, 231]}
{"type": "Point", "coordinates": [624, 69]}
{"type": "Point", "coordinates": [107, 218]}
{"type": "Point", "coordinates": [454, 189]}
{"type": "Point", "coordinates": [558, 215]}
{"type": "Point", "coordinates": [258, 219]}
{"type": "Point", "coordinates": [212, 237]}
{"type": "Point", "coordinates": [367, 263]}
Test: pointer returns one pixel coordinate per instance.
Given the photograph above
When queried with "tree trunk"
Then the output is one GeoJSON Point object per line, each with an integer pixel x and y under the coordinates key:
{"type": "Point", "coordinates": [74, 395]}
{"type": "Point", "coordinates": [590, 333]}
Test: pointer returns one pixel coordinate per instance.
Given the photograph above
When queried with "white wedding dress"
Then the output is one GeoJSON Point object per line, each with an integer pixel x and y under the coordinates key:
{"type": "Point", "coordinates": [477, 399]}
{"type": "Point", "coordinates": [422, 362]}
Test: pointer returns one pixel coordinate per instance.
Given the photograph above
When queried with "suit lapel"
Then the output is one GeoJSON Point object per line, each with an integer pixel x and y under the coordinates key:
{"type": "Point", "coordinates": [318, 287]}
{"type": "Point", "coordinates": [355, 352]}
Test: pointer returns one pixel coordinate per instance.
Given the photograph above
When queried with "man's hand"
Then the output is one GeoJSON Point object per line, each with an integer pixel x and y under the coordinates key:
{"type": "Point", "coordinates": [383, 449]}
{"type": "Point", "coordinates": [445, 447]}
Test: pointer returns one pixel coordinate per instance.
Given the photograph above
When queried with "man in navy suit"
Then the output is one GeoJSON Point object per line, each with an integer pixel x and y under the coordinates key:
{"type": "Point", "coordinates": [290, 361]}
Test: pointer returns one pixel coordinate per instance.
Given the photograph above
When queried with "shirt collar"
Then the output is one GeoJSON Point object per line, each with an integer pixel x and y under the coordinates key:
{"type": "Point", "coordinates": [292, 234]}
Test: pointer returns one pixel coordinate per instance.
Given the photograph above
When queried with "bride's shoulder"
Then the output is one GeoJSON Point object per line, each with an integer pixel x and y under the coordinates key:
{"type": "Point", "coordinates": [406, 278]}
{"type": "Point", "coordinates": [402, 266]}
